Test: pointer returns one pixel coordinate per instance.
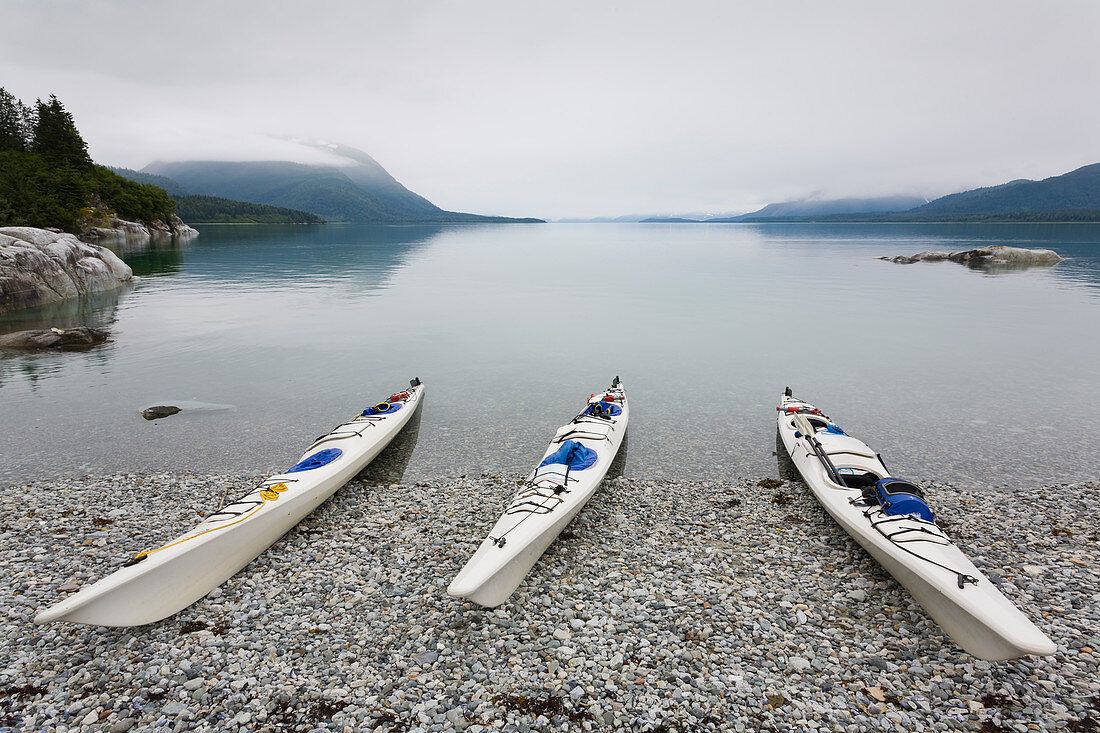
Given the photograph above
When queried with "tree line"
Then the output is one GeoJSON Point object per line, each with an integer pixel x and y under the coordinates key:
{"type": "Point", "coordinates": [47, 178]}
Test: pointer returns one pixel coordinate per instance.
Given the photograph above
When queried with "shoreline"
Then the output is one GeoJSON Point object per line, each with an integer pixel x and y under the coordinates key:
{"type": "Point", "coordinates": [691, 605]}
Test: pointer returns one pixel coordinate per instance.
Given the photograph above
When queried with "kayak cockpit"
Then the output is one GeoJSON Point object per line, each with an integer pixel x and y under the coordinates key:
{"type": "Point", "coordinates": [857, 477]}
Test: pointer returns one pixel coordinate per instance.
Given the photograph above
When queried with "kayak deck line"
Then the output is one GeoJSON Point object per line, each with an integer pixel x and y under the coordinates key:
{"type": "Point", "coordinates": [860, 494]}
{"type": "Point", "coordinates": [369, 421]}
{"type": "Point", "coordinates": [164, 580]}
{"type": "Point", "coordinates": [939, 538]}
{"type": "Point", "coordinates": [522, 502]}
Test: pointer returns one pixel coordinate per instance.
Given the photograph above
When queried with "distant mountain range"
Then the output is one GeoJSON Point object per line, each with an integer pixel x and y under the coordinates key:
{"type": "Point", "coordinates": [831, 206]}
{"type": "Point", "coordinates": [1073, 196]}
{"type": "Point", "coordinates": [359, 190]}
{"type": "Point", "coordinates": [1073, 193]}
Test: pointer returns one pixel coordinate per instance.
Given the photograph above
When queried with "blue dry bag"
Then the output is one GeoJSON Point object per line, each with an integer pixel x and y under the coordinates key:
{"type": "Point", "coordinates": [572, 454]}
{"type": "Point", "coordinates": [603, 409]}
{"type": "Point", "coordinates": [899, 498]}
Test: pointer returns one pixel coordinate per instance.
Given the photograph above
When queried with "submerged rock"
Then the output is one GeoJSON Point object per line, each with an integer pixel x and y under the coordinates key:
{"type": "Point", "coordinates": [158, 411]}
{"type": "Point", "coordinates": [933, 256]}
{"type": "Point", "coordinates": [42, 266]}
{"type": "Point", "coordinates": [993, 255]}
{"type": "Point", "coordinates": [65, 339]}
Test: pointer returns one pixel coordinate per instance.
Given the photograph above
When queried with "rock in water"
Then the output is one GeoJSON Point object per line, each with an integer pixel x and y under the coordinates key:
{"type": "Point", "coordinates": [1001, 255]}
{"type": "Point", "coordinates": [994, 255]}
{"type": "Point", "coordinates": [54, 338]}
{"type": "Point", "coordinates": [152, 413]}
{"type": "Point", "coordinates": [121, 230]}
{"type": "Point", "coordinates": [934, 256]}
{"type": "Point", "coordinates": [40, 266]}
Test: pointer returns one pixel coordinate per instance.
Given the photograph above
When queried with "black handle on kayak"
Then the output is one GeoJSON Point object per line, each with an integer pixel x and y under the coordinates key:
{"type": "Point", "coordinates": [825, 461]}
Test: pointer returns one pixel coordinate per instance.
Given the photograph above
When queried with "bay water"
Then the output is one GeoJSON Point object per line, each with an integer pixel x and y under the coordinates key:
{"type": "Point", "coordinates": [268, 336]}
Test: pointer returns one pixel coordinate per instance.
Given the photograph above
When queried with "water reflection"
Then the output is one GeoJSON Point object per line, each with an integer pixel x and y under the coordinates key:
{"type": "Point", "coordinates": [618, 466]}
{"type": "Point", "coordinates": [390, 465]}
{"type": "Point", "coordinates": [31, 369]}
{"type": "Point", "coordinates": [787, 470]}
{"type": "Point", "coordinates": [359, 257]}
{"type": "Point", "coordinates": [1000, 267]}
{"type": "Point", "coordinates": [160, 258]}
{"type": "Point", "coordinates": [99, 310]}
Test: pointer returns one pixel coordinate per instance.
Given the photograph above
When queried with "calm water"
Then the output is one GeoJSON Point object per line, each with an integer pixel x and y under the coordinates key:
{"type": "Point", "coordinates": [271, 335]}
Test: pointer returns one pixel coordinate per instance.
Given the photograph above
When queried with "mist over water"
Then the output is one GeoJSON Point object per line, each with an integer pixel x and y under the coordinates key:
{"type": "Point", "coordinates": [971, 376]}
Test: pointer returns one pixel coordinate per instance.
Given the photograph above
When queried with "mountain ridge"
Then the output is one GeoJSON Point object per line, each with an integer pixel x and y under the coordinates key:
{"type": "Point", "coordinates": [362, 191]}
{"type": "Point", "coordinates": [1072, 196]}
{"type": "Point", "coordinates": [1077, 190]}
{"type": "Point", "coordinates": [199, 209]}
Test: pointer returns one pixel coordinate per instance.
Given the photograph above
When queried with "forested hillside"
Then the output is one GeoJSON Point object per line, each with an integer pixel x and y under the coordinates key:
{"type": "Point", "coordinates": [213, 209]}
{"type": "Point", "coordinates": [47, 178]}
{"type": "Point", "coordinates": [1072, 196]}
{"type": "Point", "coordinates": [197, 209]}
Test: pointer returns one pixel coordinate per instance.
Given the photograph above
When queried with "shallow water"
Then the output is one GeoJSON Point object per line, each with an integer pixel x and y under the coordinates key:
{"type": "Point", "coordinates": [976, 377]}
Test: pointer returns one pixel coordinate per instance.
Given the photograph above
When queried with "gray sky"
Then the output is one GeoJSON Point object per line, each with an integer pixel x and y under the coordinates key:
{"type": "Point", "coordinates": [584, 108]}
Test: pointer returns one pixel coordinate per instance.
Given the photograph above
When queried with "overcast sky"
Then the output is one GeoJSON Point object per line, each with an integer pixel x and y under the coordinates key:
{"type": "Point", "coordinates": [583, 108]}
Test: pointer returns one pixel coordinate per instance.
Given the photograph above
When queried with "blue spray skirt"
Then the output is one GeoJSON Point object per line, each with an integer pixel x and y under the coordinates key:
{"type": "Point", "coordinates": [318, 459]}
{"type": "Point", "coordinates": [572, 454]}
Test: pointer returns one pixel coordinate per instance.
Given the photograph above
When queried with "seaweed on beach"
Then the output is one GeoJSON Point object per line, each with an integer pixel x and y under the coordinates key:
{"type": "Point", "coordinates": [770, 483]}
{"type": "Point", "coordinates": [550, 705]}
{"type": "Point", "coordinates": [389, 719]}
{"type": "Point", "coordinates": [287, 716]}
{"type": "Point", "coordinates": [781, 499]}
{"type": "Point", "coordinates": [10, 710]}
{"type": "Point", "coordinates": [996, 700]}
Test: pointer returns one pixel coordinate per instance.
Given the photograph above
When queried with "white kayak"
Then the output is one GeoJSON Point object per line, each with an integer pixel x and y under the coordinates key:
{"type": "Point", "coordinates": [159, 582]}
{"type": "Point", "coordinates": [889, 518]}
{"type": "Point", "coordinates": [571, 470]}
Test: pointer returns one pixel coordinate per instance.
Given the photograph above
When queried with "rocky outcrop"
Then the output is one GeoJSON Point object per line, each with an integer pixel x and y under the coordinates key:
{"type": "Point", "coordinates": [42, 266]}
{"type": "Point", "coordinates": [64, 339]}
{"type": "Point", "coordinates": [994, 255]}
{"type": "Point", "coordinates": [122, 230]}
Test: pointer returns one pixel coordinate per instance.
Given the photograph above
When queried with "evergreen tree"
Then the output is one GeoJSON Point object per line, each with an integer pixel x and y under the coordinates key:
{"type": "Point", "coordinates": [55, 135]}
{"type": "Point", "coordinates": [12, 130]}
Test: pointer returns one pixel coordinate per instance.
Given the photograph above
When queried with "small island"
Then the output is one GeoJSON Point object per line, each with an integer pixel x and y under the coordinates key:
{"type": "Point", "coordinates": [995, 255]}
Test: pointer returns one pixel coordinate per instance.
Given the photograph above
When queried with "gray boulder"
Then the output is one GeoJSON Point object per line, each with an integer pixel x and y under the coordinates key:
{"type": "Point", "coordinates": [996, 255]}
{"type": "Point", "coordinates": [42, 266]}
{"type": "Point", "coordinates": [54, 338]}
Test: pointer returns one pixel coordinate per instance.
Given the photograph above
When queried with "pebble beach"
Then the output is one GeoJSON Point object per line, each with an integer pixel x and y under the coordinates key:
{"type": "Point", "coordinates": [665, 606]}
